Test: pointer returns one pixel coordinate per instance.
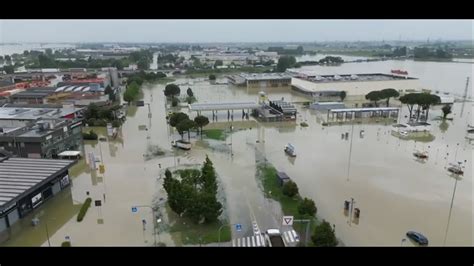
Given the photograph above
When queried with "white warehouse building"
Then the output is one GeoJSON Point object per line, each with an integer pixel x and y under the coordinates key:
{"type": "Point", "coordinates": [356, 86]}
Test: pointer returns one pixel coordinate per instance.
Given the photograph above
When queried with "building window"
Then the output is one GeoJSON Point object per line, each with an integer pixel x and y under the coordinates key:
{"type": "Point", "coordinates": [22, 144]}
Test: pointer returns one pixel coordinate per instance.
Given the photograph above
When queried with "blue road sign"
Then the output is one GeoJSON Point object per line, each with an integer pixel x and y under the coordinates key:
{"type": "Point", "coordinates": [134, 209]}
{"type": "Point", "coordinates": [238, 227]}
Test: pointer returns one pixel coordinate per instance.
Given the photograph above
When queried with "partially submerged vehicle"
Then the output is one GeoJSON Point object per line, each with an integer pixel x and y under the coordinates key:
{"type": "Point", "coordinates": [290, 150]}
{"type": "Point", "coordinates": [181, 144]}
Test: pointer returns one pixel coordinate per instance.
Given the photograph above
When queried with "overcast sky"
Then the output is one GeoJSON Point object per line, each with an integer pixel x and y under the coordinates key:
{"type": "Point", "coordinates": [231, 30]}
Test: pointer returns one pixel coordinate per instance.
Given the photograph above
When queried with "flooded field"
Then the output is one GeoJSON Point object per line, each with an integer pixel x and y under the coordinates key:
{"type": "Point", "coordinates": [394, 192]}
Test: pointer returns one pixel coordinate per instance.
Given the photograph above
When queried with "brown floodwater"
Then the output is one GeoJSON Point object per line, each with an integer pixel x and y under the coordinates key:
{"type": "Point", "coordinates": [394, 192]}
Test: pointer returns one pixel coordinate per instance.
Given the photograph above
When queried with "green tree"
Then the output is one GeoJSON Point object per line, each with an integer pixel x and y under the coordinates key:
{"type": "Point", "coordinates": [342, 95]}
{"type": "Point", "coordinates": [324, 235]}
{"type": "Point", "coordinates": [446, 110]}
{"type": "Point", "coordinates": [9, 69]}
{"type": "Point", "coordinates": [190, 92]}
{"type": "Point", "coordinates": [212, 77]}
{"type": "Point", "coordinates": [307, 207]}
{"type": "Point", "coordinates": [218, 63]}
{"type": "Point", "coordinates": [172, 90]}
{"type": "Point", "coordinates": [300, 50]}
{"type": "Point", "coordinates": [174, 102]}
{"type": "Point", "coordinates": [92, 111]}
{"type": "Point", "coordinates": [285, 62]}
{"type": "Point", "coordinates": [389, 93]}
{"type": "Point", "coordinates": [201, 121]}
{"type": "Point", "coordinates": [175, 118]}
{"type": "Point", "coordinates": [108, 90]}
{"type": "Point", "coordinates": [8, 58]}
{"type": "Point", "coordinates": [374, 96]}
{"type": "Point", "coordinates": [49, 52]}
{"type": "Point", "coordinates": [410, 99]}
{"type": "Point", "coordinates": [185, 125]}
{"type": "Point", "coordinates": [290, 189]}
{"type": "Point", "coordinates": [195, 194]}
{"type": "Point", "coordinates": [128, 96]}
{"type": "Point", "coordinates": [426, 100]}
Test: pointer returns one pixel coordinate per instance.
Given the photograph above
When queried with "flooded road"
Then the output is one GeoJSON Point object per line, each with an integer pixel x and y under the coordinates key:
{"type": "Point", "coordinates": [394, 192]}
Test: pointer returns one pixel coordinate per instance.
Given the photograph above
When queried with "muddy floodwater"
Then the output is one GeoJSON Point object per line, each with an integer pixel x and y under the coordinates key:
{"type": "Point", "coordinates": [395, 192]}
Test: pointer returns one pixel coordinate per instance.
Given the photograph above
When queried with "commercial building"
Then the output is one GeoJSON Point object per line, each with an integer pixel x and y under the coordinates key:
{"type": "Point", "coordinates": [44, 139]}
{"type": "Point", "coordinates": [20, 116]}
{"type": "Point", "coordinates": [356, 86]}
{"type": "Point", "coordinates": [32, 95]}
{"type": "Point", "coordinates": [40, 132]}
{"type": "Point", "coordinates": [260, 80]}
{"type": "Point", "coordinates": [6, 85]}
{"type": "Point", "coordinates": [27, 183]}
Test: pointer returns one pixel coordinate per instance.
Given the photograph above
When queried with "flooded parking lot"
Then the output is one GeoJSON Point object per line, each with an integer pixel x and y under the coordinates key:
{"type": "Point", "coordinates": [394, 192]}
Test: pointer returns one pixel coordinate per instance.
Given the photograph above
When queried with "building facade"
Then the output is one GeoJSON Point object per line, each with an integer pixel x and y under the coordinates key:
{"type": "Point", "coordinates": [27, 183]}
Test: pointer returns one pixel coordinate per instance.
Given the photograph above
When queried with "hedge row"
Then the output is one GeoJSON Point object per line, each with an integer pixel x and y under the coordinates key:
{"type": "Point", "coordinates": [84, 209]}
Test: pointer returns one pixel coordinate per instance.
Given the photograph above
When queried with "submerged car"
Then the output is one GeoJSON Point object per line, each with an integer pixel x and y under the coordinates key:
{"type": "Point", "coordinates": [418, 238]}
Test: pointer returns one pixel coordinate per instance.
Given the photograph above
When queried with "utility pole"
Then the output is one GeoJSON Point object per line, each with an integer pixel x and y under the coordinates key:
{"type": "Point", "coordinates": [464, 96]}
{"type": "Point", "coordinates": [47, 233]}
{"type": "Point", "coordinates": [456, 178]}
{"type": "Point", "coordinates": [350, 152]}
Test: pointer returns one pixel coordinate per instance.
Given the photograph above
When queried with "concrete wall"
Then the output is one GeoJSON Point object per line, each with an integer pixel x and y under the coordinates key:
{"type": "Point", "coordinates": [56, 188]}
{"type": "Point", "coordinates": [13, 217]}
{"type": "Point", "coordinates": [3, 224]}
{"type": "Point", "coordinates": [357, 88]}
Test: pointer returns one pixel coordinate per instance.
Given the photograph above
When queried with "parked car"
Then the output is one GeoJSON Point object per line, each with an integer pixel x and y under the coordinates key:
{"type": "Point", "coordinates": [418, 238]}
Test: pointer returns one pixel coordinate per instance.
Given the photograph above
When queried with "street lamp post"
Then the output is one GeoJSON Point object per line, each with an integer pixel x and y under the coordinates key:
{"type": "Point", "coordinates": [47, 232]}
{"type": "Point", "coordinates": [456, 178]}
{"type": "Point", "coordinates": [154, 219]}
{"type": "Point", "coordinates": [350, 152]}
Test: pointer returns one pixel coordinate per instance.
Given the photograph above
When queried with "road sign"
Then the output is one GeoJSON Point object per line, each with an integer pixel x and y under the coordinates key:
{"type": "Point", "coordinates": [238, 227]}
{"type": "Point", "coordinates": [140, 103]}
{"type": "Point", "coordinates": [67, 238]}
{"type": "Point", "coordinates": [98, 203]}
{"type": "Point", "coordinates": [287, 220]}
{"type": "Point", "coordinates": [134, 209]}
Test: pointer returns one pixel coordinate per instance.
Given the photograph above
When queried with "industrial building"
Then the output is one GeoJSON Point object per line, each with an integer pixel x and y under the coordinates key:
{"type": "Point", "coordinates": [19, 116]}
{"type": "Point", "coordinates": [27, 183]}
{"type": "Point", "coordinates": [356, 86]}
{"type": "Point", "coordinates": [32, 95]}
{"type": "Point", "coordinates": [44, 139]}
{"type": "Point", "coordinates": [260, 80]}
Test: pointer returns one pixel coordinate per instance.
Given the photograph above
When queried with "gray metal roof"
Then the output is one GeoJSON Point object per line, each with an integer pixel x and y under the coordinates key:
{"type": "Point", "coordinates": [19, 175]}
{"type": "Point", "coordinates": [35, 113]}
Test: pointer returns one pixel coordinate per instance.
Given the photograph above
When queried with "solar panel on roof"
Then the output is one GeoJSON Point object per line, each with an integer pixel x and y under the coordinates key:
{"type": "Point", "coordinates": [60, 89]}
{"type": "Point", "coordinates": [70, 89]}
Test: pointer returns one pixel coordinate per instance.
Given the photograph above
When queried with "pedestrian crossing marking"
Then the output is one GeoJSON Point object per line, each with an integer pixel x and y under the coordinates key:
{"type": "Point", "coordinates": [259, 241]}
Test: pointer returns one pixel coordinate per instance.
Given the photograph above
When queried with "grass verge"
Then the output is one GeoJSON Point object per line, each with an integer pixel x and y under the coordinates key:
{"type": "Point", "coordinates": [195, 234]}
{"type": "Point", "coordinates": [217, 134]}
{"type": "Point", "coordinates": [267, 175]}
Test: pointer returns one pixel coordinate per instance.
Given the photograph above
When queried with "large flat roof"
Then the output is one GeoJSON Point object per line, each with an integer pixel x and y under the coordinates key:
{"type": "Point", "coordinates": [25, 113]}
{"type": "Point", "coordinates": [370, 109]}
{"type": "Point", "coordinates": [264, 76]}
{"type": "Point", "coordinates": [19, 176]}
{"type": "Point", "coordinates": [222, 106]}
{"type": "Point", "coordinates": [350, 77]}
